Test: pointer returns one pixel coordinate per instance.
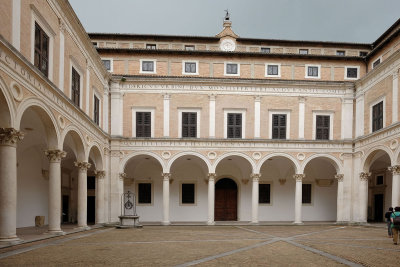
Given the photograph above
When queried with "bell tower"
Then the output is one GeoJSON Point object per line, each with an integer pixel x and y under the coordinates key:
{"type": "Point", "coordinates": [227, 36]}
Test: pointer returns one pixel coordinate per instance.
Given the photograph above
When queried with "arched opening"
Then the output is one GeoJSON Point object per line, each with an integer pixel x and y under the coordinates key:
{"type": "Point", "coordinates": [226, 200]}
{"type": "Point", "coordinates": [379, 185]}
{"type": "Point", "coordinates": [33, 166]}
{"type": "Point", "coordinates": [96, 163]}
{"type": "Point", "coordinates": [143, 177]}
{"type": "Point", "coordinates": [320, 190]}
{"type": "Point", "coordinates": [5, 115]}
{"type": "Point", "coordinates": [277, 189]}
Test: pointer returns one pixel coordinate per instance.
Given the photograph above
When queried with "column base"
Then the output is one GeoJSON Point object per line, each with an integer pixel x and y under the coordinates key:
{"type": "Point", "coordinates": [10, 240]}
{"type": "Point", "coordinates": [298, 223]}
{"type": "Point", "coordinates": [54, 232]}
{"type": "Point", "coordinates": [210, 223]}
{"type": "Point", "coordinates": [254, 223]}
{"type": "Point", "coordinates": [83, 228]}
{"type": "Point", "coordinates": [165, 223]}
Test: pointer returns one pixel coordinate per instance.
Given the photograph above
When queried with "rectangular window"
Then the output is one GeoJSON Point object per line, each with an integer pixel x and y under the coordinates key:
{"type": "Point", "coordinates": [107, 64]}
{"type": "Point", "coordinates": [273, 70]}
{"type": "Point", "coordinates": [352, 73]}
{"type": "Point", "coordinates": [148, 66]}
{"type": "Point", "coordinates": [379, 180]}
{"type": "Point", "coordinates": [189, 124]}
{"type": "Point", "coordinates": [264, 194]}
{"type": "Point", "coordinates": [75, 87]}
{"type": "Point", "coordinates": [363, 54]}
{"type": "Point", "coordinates": [188, 194]}
{"type": "Point", "coordinates": [303, 51]}
{"type": "Point", "coordinates": [377, 116]}
{"type": "Point", "coordinates": [265, 50]}
{"type": "Point", "coordinates": [151, 46]}
{"type": "Point", "coordinates": [279, 126]}
{"type": "Point", "coordinates": [96, 110]}
{"type": "Point", "coordinates": [306, 194]}
{"type": "Point", "coordinates": [91, 182]}
{"type": "Point", "coordinates": [144, 193]}
{"type": "Point", "coordinates": [231, 68]}
{"type": "Point", "coordinates": [340, 53]}
{"type": "Point", "coordinates": [234, 127]}
{"type": "Point", "coordinates": [189, 47]}
{"type": "Point", "coordinates": [190, 67]}
{"type": "Point", "coordinates": [322, 127]}
{"type": "Point", "coordinates": [41, 57]}
{"type": "Point", "coordinates": [143, 124]}
{"type": "Point", "coordinates": [376, 63]}
{"type": "Point", "coordinates": [94, 44]}
{"type": "Point", "coordinates": [312, 71]}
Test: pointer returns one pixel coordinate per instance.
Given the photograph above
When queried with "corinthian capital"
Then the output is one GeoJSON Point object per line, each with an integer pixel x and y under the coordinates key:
{"type": "Point", "coordinates": [339, 177]}
{"type": "Point", "coordinates": [55, 155]}
{"type": "Point", "coordinates": [364, 176]}
{"type": "Point", "coordinates": [83, 166]}
{"type": "Point", "coordinates": [394, 169]}
{"type": "Point", "coordinates": [99, 174]}
{"type": "Point", "coordinates": [122, 175]}
{"type": "Point", "coordinates": [10, 136]}
{"type": "Point", "coordinates": [299, 177]}
{"type": "Point", "coordinates": [166, 176]}
{"type": "Point", "coordinates": [255, 176]}
{"type": "Point", "coordinates": [211, 176]}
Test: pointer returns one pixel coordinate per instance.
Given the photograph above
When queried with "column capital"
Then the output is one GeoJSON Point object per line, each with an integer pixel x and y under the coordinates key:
{"type": "Point", "coordinates": [394, 169]}
{"type": "Point", "coordinates": [83, 166]}
{"type": "Point", "coordinates": [122, 175]}
{"type": "Point", "coordinates": [212, 97]}
{"type": "Point", "coordinates": [364, 176]}
{"type": "Point", "coordinates": [299, 177]}
{"type": "Point", "coordinates": [211, 176]}
{"type": "Point", "coordinates": [166, 175]}
{"type": "Point", "coordinates": [167, 96]}
{"type": "Point", "coordinates": [257, 98]}
{"type": "Point", "coordinates": [99, 174]}
{"type": "Point", "coordinates": [395, 74]}
{"type": "Point", "coordinates": [10, 136]}
{"type": "Point", "coordinates": [339, 177]}
{"type": "Point", "coordinates": [255, 176]}
{"type": "Point", "coordinates": [302, 99]}
{"type": "Point", "coordinates": [61, 25]}
{"type": "Point", "coordinates": [55, 155]}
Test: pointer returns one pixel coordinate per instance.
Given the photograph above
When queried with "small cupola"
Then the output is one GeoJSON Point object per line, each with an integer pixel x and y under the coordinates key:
{"type": "Point", "coordinates": [227, 36]}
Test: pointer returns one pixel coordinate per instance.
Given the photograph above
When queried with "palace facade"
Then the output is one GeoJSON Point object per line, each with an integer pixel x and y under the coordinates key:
{"type": "Point", "coordinates": [201, 129]}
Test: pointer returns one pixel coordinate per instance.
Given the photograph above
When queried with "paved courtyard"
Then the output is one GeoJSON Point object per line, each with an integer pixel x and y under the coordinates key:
{"type": "Point", "coordinates": [305, 245]}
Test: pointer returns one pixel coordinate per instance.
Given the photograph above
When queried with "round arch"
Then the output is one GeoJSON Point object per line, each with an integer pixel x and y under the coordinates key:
{"type": "Point", "coordinates": [284, 155]}
{"type": "Point", "coordinates": [397, 156]}
{"type": "Point", "coordinates": [139, 153]}
{"type": "Point", "coordinates": [335, 162]}
{"type": "Point", "coordinates": [366, 161]}
{"type": "Point", "coordinates": [96, 155]}
{"type": "Point", "coordinates": [189, 153]}
{"type": "Point", "coordinates": [229, 154]}
{"type": "Point", "coordinates": [77, 137]}
{"type": "Point", "coordinates": [7, 110]}
{"type": "Point", "coordinates": [47, 117]}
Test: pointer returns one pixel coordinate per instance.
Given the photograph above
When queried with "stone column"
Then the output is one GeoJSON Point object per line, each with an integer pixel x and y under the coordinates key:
{"type": "Point", "coordinates": [8, 183]}
{"type": "Point", "coordinates": [166, 177]}
{"type": "Point", "coordinates": [298, 197]}
{"type": "Point", "coordinates": [364, 177]}
{"type": "Point", "coordinates": [82, 193]}
{"type": "Point", "coordinates": [257, 116]}
{"type": "Point", "coordinates": [212, 116]}
{"type": "Point", "coordinates": [395, 185]}
{"type": "Point", "coordinates": [62, 56]}
{"type": "Point", "coordinates": [167, 98]}
{"type": "Point", "coordinates": [100, 196]}
{"type": "Point", "coordinates": [302, 108]}
{"type": "Point", "coordinates": [211, 197]}
{"type": "Point", "coordinates": [395, 97]}
{"type": "Point", "coordinates": [339, 207]}
{"type": "Point", "coordinates": [55, 157]}
{"type": "Point", "coordinates": [254, 197]}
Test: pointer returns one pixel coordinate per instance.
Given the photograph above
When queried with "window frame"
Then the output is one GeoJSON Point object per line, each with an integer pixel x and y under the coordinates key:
{"type": "Point", "coordinates": [316, 113]}
{"type": "Point", "coordinates": [364, 52]}
{"type": "Point", "coordinates": [272, 112]}
{"type": "Point", "coordinates": [371, 106]}
{"type": "Point", "coordinates": [111, 63]}
{"type": "Point", "coordinates": [270, 193]}
{"type": "Point", "coordinates": [241, 111]}
{"type": "Point", "coordinates": [349, 78]}
{"type": "Point", "coordinates": [312, 77]}
{"type": "Point", "coordinates": [264, 52]}
{"type": "Point", "coordinates": [272, 75]}
{"type": "Point", "coordinates": [339, 52]}
{"type": "Point", "coordinates": [137, 192]}
{"type": "Point", "coordinates": [376, 60]}
{"type": "Point", "coordinates": [231, 74]}
{"type": "Point", "coordinates": [143, 109]}
{"type": "Point", "coordinates": [194, 110]}
{"type": "Point", "coordinates": [79, 70]}
{"type": "Point", "coordinates": [95, 94]}
{"type": "Point", "coordinates": [153, 46]}
{"type": "Point", "coordinates": [184, 67]}
{"type": "Point", "coordinates": [191, 47]}
{"type": "Point", "coordinates": [302, 50]}
{"type": "Point", "coordinates": [145, 71]}
{"type": "Point", "coordinates": [181, 193]}
{"type": "Point", "coordinates": [383, 179]}
{"type": "Point", "coordinates": [311, 194]}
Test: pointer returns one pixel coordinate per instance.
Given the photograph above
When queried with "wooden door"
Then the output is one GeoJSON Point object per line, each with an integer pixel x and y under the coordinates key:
{"type": "Point", "coordinates": [225, 200]}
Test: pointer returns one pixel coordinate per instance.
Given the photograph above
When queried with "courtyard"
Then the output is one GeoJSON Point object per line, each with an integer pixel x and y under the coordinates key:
{"type": "Point", "coordinates": [237, 245]}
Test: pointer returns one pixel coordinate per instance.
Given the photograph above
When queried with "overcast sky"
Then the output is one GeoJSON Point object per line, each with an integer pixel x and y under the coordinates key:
{"type": "Point", "coordinates": [361, 21]}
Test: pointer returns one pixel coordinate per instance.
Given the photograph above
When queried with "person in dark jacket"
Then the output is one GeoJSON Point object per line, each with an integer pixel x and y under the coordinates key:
{"type": "Point", "coordinates": [389, 223]}
{"type": "Point", "coordinates": [395, 228]}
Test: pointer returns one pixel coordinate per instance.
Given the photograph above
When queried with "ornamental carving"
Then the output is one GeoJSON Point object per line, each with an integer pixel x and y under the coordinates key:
{"type": "Point", "coordinates": [166, 176]}
{"type": "Point", "coordinates": [10, 136]}
{"type": "Point", "coordinates": [55, 155]}
{"type": "Point", "coordinates": [339, 177]}
{"type": "Point", "coordinates": [122, 175]}
{"type": "Point", "coordinates": [212, 176]}
{"type": "Point", "coordinates": [364, 176]}
{"type": "Point", "coordinates": [83, 166]}
{"type": "Point", "coordinates": [395, 169]}
{"type": "Point", "coordinates": [299, 177]}
{"type": "Point", "coordinates": [100, 174]}
{"type": "Point", "coordinates": [255, 176]}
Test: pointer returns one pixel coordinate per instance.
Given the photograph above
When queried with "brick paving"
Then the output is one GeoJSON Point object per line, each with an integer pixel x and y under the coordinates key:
{"type": "Point", "coordinates": [306, 245]}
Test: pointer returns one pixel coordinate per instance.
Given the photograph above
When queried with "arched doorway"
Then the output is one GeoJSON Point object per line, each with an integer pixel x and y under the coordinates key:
{"type": "Point", "coordinates": [226, 194]}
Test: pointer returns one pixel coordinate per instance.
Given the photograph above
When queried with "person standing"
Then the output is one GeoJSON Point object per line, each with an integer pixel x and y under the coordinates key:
{"type": "Point", "coordinates": [395, 228]}
{"type": "Point", "coordinates": [388, 214]}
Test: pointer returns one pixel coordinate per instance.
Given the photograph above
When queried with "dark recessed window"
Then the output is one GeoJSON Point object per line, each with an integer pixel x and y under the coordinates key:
{"type": "Point", "coordinates": [303, 51]}
{"type": "Point", "coordinates": [306, 194]}
{"type": "Point", "coordinates": [379, 180]}
{"type": "Point", "coordinates": [41, 50]}
{"type": "Point", "coordinates": [363, 53]}
{"type": "Point", "coordinates": [188, 194]}
{"type": "Point", "coordinates": [148, 66]}
{"type": "Point", "coordinates": [377, 116]}
{"type": "Point", "coordinates": [189, 47]}
{"type": "Point", "coordinates": [91, 182]}
{"type": "Point", "coordinates": [265, 50]}
{"type": "Point", "coordinates": [376, 63]}
{"type": "Point", "coordinates": [190, 67]}
{"type": "Point", "coordinates": [75, 87]}
{"type": "Point", "coordinates": [189, 124]}
{"type": "Point", "coordinates": [144, 193]}
{"type": "Point", "coordinates": [273, 70]}
{"type": "Point", "coordinates": [96, 110]}
{"type": "Point", "coordinates": [264, 193]}
{"type": "Point", "coordinates": [279, 126]}
{"type": "Point", "coordinates": [107, 64]}
{"type": "Point", "coordinates": [352, 73]}
{"type": "Point", "coordinates": [234, 125]}
{"type": "Point", "coordinates": [340, 53]}
{"type": "Point", "coordinates": [151, 46]}
{"type": "Point", "coordinates": [231, 68]}
{"type": "Point", "coordinates": [143, 124]}
{"type": "Point", "coordinates": [312, 71]}
{"type": "Point", "coordinates": [94, 44]}
{"type": "Point", "coordinates": [322, 127]}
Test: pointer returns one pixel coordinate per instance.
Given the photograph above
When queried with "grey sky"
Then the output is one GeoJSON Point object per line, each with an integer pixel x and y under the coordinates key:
{"type": "Point", "coordinates": [322, 20]}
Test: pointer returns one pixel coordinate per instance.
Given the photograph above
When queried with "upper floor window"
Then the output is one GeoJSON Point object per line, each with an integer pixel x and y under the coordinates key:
{"type": "Point", "coordinates": [351, 72]}
{"type": "Point", "coordinates": [376, 63]}
{"type": "Point", "coordinates": [94, 44]}
{"type": "Point", "coordinates": [41, 54]}
{"type": "Point", "coordinates": [363, 53]}
{"type": "Point", "coordinates": [189, 124]}
{"type": "Point", "coordinates": [143, 124]}
{"type": "Point", "coordinates": [75, 87]}
{"type": "Point", "coordinates": [151, 46]}
{"type": "Point", "coordinates": [264, 193]}
{"type": "Point", "coordinates": [234, 125]}
{"type": "Point", "coordinates": [340, 53]}
{"type": "Point", "coordinates": [322, 127]}
{"type": "Point", "coordinates": [108, 64]}
{"type": "Point", "coordinates": [147, 66]}
{"type": "Point", "coordinates": [190, 67]}
{"type": "Point", "coordinates": [273, 70]}
{"type": "Point", "coordinates": [377, 116]}
{"type": "Point", "coordinates": [189, 47]}
{"type": "Point", "coordinates": [265, 50]}
{"type": "Point", "coordinates": [313, 71]}
{"type": "Point", "coordinates": [279, 126]}
{"type": "Point", "coordinates": [96, 110]}
{"type": "Point", "coordinates": [231, 69]}
{"type": "Point", "coordinates": [303, 51]}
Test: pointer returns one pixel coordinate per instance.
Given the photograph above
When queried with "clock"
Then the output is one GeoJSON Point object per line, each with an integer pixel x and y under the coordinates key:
{"type": "Point", "coordinates": [228, 45]}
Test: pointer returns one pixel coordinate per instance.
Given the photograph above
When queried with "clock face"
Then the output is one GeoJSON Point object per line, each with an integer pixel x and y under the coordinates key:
{"type": "Point", "coordinates": [228, 45]}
